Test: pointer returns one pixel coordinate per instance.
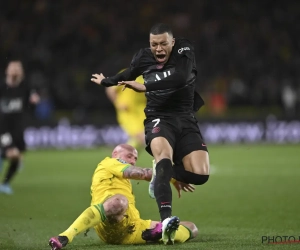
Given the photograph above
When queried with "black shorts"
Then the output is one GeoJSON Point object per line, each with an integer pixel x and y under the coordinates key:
{"type": "Point", "coordinates": [182, 132]}
{"type": "Point", "coordinates": [12, 140]}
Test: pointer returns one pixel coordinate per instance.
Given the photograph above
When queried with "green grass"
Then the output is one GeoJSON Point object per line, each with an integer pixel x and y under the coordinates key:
{"type": "Point", "coordinates": [253, 191]}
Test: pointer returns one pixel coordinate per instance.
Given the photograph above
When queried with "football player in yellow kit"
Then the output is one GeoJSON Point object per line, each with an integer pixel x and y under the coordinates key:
{"type": "Point", "coordinates": [113, 213]}
{"type": "Point", "coordinates": [129, 107]}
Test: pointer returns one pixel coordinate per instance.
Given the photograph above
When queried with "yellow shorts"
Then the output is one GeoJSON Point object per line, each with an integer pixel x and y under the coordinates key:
{"type": "Point", "coordinates": [128, 231]}
{"type": "Point", "coordinates": [131, 122]}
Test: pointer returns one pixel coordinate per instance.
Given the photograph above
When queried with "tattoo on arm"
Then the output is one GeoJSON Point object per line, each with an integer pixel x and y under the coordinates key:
{"type": "Point", "coordinates": [137, 173]}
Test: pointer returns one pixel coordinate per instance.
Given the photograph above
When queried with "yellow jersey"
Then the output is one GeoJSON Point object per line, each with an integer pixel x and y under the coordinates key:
{"type": "Point", "coordinates": [108, 180]}
{"type": "Point", "coordinates": [131, 98]}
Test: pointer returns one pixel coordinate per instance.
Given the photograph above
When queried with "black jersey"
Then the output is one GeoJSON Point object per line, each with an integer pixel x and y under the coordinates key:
{"type": "Point", "coordinates": [13, 101]}
{"type": "Point", "coordinates": [170, 87]}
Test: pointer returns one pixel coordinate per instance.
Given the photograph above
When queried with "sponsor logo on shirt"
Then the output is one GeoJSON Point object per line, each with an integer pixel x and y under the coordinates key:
{"type": "Point", "coordinates": [12, 105]}
{"type": "Point", "coordinates": [183, 49]}
{"type": "Point", "coordinates": [155, 130]}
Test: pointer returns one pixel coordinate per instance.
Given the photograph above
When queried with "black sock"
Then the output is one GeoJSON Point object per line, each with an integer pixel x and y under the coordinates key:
{"type": "Point", "coordinates": [13, 167]}
{"type": "Point", "coordinates": [63, 240]}
{"type": "Point", "coordinates": [162, 188]}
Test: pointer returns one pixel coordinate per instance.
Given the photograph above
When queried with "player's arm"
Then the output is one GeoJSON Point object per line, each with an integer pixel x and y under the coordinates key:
{"type": "Point", "coordinates": [138, 173]}
{"type": "Point", "coordinates": [32, 95]}
{"type": "Point", "coordinates": [129, 74]}
{"type": "Point", "coordinates": [126, 75]}
{"type": "Point", "coordinates": [100, 79]}
{"type": "Point", "coordinates": [111, 94]}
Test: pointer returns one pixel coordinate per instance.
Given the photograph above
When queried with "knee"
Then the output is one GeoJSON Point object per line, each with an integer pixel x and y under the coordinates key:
{"type": "Point", "coordinates": [191, 227]}
{"type": "Point", "coordinates": [201, 168]}
{"type": "Point", "coordinates": [197, 162]}
{"type": "Point", "coordinates": [205, 169]}
{"type": "Point", "coordinates": [161, 149]}
{"type": "Point", "coordinates": [115, 205]}
{"type": "Point", "coordinates": [194, 230]}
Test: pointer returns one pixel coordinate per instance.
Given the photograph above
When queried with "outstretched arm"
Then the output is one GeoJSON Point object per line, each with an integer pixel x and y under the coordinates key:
{"type": "Point", "coordinates": [138, 173]}
{"type": "Point", "coordinates": [100, 79]}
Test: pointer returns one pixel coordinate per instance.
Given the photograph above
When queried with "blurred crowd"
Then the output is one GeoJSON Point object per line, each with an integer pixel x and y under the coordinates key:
{"type": "Point", "coordinates": [248, 52]}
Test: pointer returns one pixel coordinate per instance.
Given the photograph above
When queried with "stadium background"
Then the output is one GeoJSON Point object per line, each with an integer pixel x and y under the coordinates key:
{"type": "Point", "coordinates": [248, 60]}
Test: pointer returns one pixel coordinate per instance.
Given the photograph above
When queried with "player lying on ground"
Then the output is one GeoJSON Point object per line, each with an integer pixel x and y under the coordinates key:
{"type": "Point", "coordinates": [113, 213]}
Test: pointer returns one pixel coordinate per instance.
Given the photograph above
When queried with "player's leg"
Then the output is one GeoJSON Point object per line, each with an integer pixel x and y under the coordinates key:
{"type": "Point", "coordinates": [13, 155]}
{"type": "Point", "coordinates": [5, 142]}
{"type": "Point", "coordinates": [20, 144]}
{"type": "Point", "coordinates": [137, 140]}
{"type": "Point", "coordinates": [133, 126]}
{"type": "Point", "coordinates": [152, 181]}
{"type": "Point", "coordinates": [14, 146]}
{"type": "Point", "coordinates": [191, 159]}
{"type": "Point", "coordinates": [162, 153]}
{"type": "Point", "coordinates": [112, 210]}
{"type": "Point", "coordinates": [180, 232]}
{"type": "Point", "coordinates": [194, 168]}
{"type": "Point", "coordinates": [182, 236]}
{"type": "Point", "coordinates": [160, 138]}
{"type": "Point", "coordinates": [137, 130]}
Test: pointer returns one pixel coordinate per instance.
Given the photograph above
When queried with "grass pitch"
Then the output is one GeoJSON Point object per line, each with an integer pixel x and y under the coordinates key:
{"type": "Point", "coordinates": [253, 192]}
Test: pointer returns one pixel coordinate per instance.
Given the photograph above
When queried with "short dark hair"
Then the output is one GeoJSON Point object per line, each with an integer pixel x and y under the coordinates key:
{"type": "Point", "coordinates": [161, 28]}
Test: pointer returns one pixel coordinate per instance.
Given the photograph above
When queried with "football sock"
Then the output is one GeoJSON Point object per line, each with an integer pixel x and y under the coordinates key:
{"type": "Point", "coordinates": [162, 188]}
{"type": "Point", "coordinates": [88, 218]}
{"type": "Point", "coordinates": [12, 169]}
{"type": "Point", "coordinates": [63, 240]}
{"type": "Point", "coordinates": [183, 234]}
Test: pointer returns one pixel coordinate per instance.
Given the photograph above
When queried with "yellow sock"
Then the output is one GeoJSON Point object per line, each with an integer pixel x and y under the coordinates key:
{"type": "Point", "coordinates": [183, 234]}
{"type": "Point", "coordinates": [88, 218]}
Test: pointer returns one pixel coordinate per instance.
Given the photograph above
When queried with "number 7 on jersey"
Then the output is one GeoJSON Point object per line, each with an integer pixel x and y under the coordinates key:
{"type": "Point", "coordinates": [156, 122]}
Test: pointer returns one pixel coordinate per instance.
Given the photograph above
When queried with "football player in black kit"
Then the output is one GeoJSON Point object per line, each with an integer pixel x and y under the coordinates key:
{"type": "Point", "coordinates": [171, 129]}
{"type": "Point", "coordinates": [15, 95]}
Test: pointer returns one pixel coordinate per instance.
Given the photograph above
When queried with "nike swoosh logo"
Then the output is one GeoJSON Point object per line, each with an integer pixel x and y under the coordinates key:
{"type": "Point", "coordinates": [203, 145]}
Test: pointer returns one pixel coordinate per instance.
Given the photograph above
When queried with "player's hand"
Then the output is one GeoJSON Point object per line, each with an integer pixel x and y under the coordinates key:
{"type": "Point", "coordinates": [97, 78]}
{"type": "Point", "coordinates": [34, 98]}
{"type": "Point", "coordinates": [133, 85]}
{"type": "Point", "coordinates": [182, 186]}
